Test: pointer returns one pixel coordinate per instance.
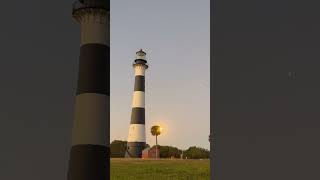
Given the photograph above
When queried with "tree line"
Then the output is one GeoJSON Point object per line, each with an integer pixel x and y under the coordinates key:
{"type": "Point", "coordinates": [118, 149]}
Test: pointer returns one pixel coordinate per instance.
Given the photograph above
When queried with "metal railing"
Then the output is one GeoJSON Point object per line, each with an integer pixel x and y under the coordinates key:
{"type": "Point", "coordinates": [99, 4]}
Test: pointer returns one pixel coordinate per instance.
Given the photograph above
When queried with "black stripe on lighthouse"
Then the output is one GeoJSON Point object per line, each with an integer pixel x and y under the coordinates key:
{"type": "Point", "coordinates": [139, 83]}
{"type": "Point", "coordinates": [89, 162]}
{"type": "Point", "coordinates": [138, 116]}
{"type": "Point", "coordinates": [135, 149]}
{"type": "Point", "coordinates": [94, 69]}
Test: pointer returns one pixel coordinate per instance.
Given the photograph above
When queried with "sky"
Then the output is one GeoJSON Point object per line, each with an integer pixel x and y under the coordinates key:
{"type": "Point", "coordinates": [175, 34]}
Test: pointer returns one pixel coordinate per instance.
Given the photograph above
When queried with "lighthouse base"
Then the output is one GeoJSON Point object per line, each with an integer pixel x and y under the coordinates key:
{"type": "Point", "coordinates": [134, 149]}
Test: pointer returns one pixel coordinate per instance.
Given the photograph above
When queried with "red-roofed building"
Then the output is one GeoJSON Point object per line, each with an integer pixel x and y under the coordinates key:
{"type": "Point", "coordinates": [150, 153]}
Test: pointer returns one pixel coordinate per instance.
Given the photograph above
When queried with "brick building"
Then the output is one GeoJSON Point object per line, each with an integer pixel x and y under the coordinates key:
{"type": "Point", "coordinates": [149, 153]}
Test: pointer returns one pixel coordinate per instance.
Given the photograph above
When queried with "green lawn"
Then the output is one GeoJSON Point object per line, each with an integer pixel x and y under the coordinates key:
{"type": "Point", "coordinates": [162, 169]}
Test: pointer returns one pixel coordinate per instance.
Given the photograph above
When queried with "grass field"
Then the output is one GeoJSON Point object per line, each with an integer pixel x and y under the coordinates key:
{"type": "Point", "coordinates": [162, 169]}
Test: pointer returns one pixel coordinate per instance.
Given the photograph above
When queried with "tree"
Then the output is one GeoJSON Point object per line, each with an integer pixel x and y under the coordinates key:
{"type": "Point", "coordinates": [156, 131]}
{"type": "Point", "coordinates": [196, 153]}
{"type": "Point", "coordinates": [118, 148]}
{"type": "Point", "coordinates": [169, 151]}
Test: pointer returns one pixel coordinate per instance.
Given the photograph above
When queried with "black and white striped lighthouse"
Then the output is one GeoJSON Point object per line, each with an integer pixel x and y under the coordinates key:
{"type": "Point", "coordinates": [89, 156]}
{"type": "Point", "coordinates": [137, 135]}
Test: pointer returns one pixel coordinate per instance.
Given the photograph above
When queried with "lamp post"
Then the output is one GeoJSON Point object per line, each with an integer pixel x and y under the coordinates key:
{"type": "Point", "coordinates": [156, 131]}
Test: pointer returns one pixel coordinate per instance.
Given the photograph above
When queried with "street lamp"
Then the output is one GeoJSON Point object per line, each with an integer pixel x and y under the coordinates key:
{"type": "Point", "coordinates": [156, 131]}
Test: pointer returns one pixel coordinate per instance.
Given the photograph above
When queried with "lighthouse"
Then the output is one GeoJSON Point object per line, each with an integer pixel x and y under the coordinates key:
{"type": "Point", "coordinates": [89, 155]}
{"type": "Point", "coordinates": [137, 135]}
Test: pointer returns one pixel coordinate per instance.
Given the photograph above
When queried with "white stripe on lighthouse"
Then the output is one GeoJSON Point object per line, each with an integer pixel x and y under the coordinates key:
{"type": "Point", "coordinates": [139, 70]}
{"type": "Point", "coordinates": [138, 99]}
{"type": "Point", "coordinates": [91, 114]}
{"type": "Point", "coordinates": [92, 32]}
{"type": "Point", "coordinates": [137, 133]}
{"type": "Point", "coordinates": [94, 27]}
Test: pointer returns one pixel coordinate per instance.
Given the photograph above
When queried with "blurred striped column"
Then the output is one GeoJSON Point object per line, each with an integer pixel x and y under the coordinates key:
{"type": "Point", "coordinates": [89, 156]}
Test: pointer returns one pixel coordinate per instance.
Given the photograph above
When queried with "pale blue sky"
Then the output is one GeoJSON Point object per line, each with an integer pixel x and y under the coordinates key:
{"type": "Point", "coordinates": [176, 37]}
